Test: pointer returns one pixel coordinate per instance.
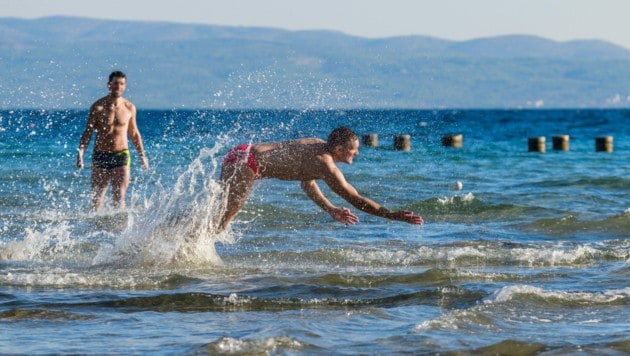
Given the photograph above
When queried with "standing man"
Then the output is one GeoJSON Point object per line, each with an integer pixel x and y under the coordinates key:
{"type": "Point", "coordinates": [113, 118]}
{"type": "Point", "coordinates": [304, 160]}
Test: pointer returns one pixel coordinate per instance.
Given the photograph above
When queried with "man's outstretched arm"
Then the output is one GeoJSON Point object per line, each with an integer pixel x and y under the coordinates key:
{"type": "Point", "coordinates": [339, 185]}
{"type": "Point", "coordinates": [342, 215]}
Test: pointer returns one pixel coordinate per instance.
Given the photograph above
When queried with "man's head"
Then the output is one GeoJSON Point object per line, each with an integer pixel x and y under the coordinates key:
{"type": "Point", "coordinates": [117, 83]}
{"type": "Point", "coordinates": [343, 144]}
{"type": "Point", "coordinates": [116, 74]}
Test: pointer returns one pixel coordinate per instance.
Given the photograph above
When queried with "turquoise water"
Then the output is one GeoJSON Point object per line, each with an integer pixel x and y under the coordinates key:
{"type": "Point", "coordinates": [531, 255]}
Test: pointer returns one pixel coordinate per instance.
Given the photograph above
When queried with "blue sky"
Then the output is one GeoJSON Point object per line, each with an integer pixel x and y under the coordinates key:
{"type": "Point", "coordinates": [559, 20]}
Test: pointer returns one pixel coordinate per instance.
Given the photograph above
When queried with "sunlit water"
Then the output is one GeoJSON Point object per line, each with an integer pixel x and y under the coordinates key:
{"type": "Point", "coordinates": [531, 255]}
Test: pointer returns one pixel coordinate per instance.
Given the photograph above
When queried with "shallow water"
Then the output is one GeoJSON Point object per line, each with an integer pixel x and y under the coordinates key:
{"type": "Point", "coordinates": [531, 255]}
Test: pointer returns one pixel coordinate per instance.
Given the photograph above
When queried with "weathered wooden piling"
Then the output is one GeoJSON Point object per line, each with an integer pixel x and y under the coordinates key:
{"type": "Point", "coordinates": [370, 140]}
{"type": "Point", "coordinates": [453, 140]}
{"type": "Point", "coordinates": [402, 142]}
{"type": "Point", "coordinates": [604, 144]}
{"type": "Point", "coordinates": [537, 144]}
{"type": "Point", "coordinates": [560, 142]}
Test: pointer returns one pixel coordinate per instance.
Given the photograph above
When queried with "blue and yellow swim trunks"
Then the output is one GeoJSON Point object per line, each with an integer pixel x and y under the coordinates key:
{"type": "Point", "coordinates": [109, 160]}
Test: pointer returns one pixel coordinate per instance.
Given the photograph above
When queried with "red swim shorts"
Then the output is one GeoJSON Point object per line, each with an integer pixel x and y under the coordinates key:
{"type": "Point", "coordinates": [243, 154]}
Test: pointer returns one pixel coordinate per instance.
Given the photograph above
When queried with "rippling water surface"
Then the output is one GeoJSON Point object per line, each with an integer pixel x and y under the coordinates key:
{"type": "Point", "coordinates": [530, 256]}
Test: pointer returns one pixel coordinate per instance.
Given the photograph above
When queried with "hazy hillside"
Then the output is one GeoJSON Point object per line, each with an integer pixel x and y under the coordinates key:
{"type": "Point", "coordinates": [63, 63]}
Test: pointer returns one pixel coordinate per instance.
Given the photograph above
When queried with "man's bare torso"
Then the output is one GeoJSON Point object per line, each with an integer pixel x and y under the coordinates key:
{"type": "Point", "coordinates": [111, 122]}
{"type": "Point", "coordinates": [303, 159]}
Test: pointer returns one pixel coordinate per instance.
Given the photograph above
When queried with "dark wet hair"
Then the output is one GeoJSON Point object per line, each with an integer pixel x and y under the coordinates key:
{"type": "Point", "coordinates": [116, 74]}
{"type": "Point", "coordinates": [340, 136]}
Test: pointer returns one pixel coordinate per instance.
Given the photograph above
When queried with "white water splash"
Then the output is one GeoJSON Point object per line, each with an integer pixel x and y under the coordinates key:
{"type": "Point", "coordinates": [53, 242]}
{"type": "Point", "coordinates": [466, 198]}
{"type": "Point", "coordinates": [177, 227]}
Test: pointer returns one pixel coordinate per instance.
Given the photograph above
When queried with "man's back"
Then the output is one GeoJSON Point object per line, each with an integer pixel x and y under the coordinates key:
{"type": "Point", "coordinates": [302, 159]}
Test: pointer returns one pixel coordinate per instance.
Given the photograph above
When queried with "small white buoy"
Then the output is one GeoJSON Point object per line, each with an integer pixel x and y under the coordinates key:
{"type": "Point", "coordinates": [457, 186]}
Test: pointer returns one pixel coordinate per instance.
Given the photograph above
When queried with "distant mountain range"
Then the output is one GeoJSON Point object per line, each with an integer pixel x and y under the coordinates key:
{"type": "Point", "coordinates": [63, 62]}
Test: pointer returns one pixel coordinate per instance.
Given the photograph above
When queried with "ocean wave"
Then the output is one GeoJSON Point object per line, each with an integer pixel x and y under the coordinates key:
{"type": "Point", "coordinates": [463, 208]}
{"type": "Point", "coordinates": [432, 276]}
{"type": "Point", "coordinates": [22, 314]}
{"type": "Point", "coordinates": [282, 344]}
{"type": "Point", "coordinates": [570, 225]}
{"type": "Point", "coordinates": [467, 208]}
{"type": "Point", "coordinates": [492, 253]}
{"type": "Point", "coordinates": [606, 183]}
{"type": "Point", "coordinates": [273, 298]}
{"type": "Point", "coordinates": [508, 347]}
{"type": "Point", "coordinates": [530, 294]}
{"type": "Point", "coordinates": [473, 253]}
{"type": "Point", "coordinates": [40, 261]}
{"type": "Point", "coordinates": [270, 345]}
{"type": "Point", "coordinates": [535, 309]}
{"type": "Point", "coordinates": [29, 274]}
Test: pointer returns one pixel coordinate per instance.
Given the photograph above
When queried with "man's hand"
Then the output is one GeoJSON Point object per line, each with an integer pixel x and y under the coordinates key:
{"type": "Point", "coordinates": [144, 162]}
{"type": "Point", "coordinates": [407, 216]}
{"type": "Point", "coordinates": [344, 216]}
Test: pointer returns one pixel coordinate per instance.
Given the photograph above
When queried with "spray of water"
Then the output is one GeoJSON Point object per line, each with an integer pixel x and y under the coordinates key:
{"type": "Point", "coordinates": [174, 227]}
{"type": "Point", "coordinates": [178, 225]}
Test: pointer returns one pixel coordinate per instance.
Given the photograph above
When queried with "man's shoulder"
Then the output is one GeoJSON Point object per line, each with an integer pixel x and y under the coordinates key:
{"type": "Point", "coordinates": [98, 105]}
{"type": "Point", "coordinates": [326, 162]}
{"type": "Point", "coordinates": [129, 105]}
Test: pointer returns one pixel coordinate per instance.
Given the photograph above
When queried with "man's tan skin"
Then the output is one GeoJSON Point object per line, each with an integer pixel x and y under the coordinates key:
{"type": "Point", "coordinates": [305, 160]}
{"type": "Point", "coordinates": [112, 118]}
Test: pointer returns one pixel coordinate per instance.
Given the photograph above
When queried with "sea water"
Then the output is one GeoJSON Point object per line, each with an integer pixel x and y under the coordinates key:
{"type": "Point", "coordinates": [530, 256]}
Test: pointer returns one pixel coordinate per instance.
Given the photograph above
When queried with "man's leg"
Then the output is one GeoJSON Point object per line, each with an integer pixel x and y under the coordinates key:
{"type": "Point", "coordinates": [100, 180]}
{"type": "Point", "coordinates": [120, 177]}
{"type": "Point", "coordinates": [238, 180]}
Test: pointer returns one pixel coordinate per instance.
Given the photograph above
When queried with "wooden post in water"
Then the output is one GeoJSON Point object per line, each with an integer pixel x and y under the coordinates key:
{"type": "Point", "coordinates": [561, 142]}
{"type": "Point", "coordinates": [537, 144]}
{"type": "Point", "coordinates": [454, 140]}
{"type": "Point", "coordinates": [370, 140]}
{"type": "Point", "coordinates": [604, 144]}
{"type": "Point", "coordinates": [402, 142]}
